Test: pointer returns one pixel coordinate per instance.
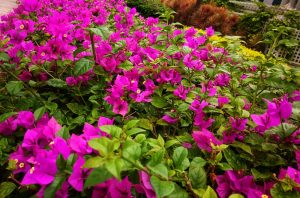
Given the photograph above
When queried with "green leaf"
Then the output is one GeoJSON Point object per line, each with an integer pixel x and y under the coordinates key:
{"type": "Point", "coordinates": [145, 124]}
{"type": "Point", "coordinates": [4, 57]}
{"type": "Point", "coordinates": [197, 173]}
{"type": "Point", "coordinates": [58, 83]}
{"type": "Point", "coordinates": [170, 143]}
{"type": "Point", "coordinates": [126, 65]}
{"type": "Point", "coordinates": [131, 150]}
{"type": "Point", "coordinates": [269, 147]}
{"type": "Point", "coordinates": [160, 169]}
{"type": "Point", "coordinates": [94, 162]}
{"type": "Point", "coordinates": [14, 87]}
{"type": "Point", "coordinates": [103, 145]}
{"type": "Point", "coordinates": [39, 113]}
{"type": "Point", "coordinates": [134, 131]}
{"type": "Point", "coordinates": [187, 50]}
{"type": "Point", "coordinates": [114, 166]}
{"type": "Point", "coordinates": [278, 192]}
{"type": "Point", "coordinates": [234, 160]}
{"type": "Point", "coordinates": [64, 133]}
{"type": "Point", "coordinates": [157, 157]}
{"type": "Point", "coordinates": [261, 175]}
{"type": "Point", "coordinates": [162, 188]}
{"type": "Point", "coordinates": [242, 146]}
{"type": "Point", "coordinates": [172, 49]}
{"type": "Point", "coordinates": [54, 186]}
{"type": "Point", "coordinates": [97, 176]}
{"type": "Point", "coordinates": [159, 102]}
{"type": "Point", "coordinates": [180, 158]}
{"type": "Point", "coordinates": [210, 193]}
{"type": "Point", "coordinates": [102, 31]}
{"type": "Point", "coordinates": [76, 108]}
{"type": "Point", "coordinates": [131, 124]}
{"type": "Point", "coordinates": [254, 139]}
{"type": "Point", "coordinates": [114, 131]}
{"type": "Point", "coordinates": [236, 196]}
{"type": "Point", "coordinates": [82, 66]}
{"type": "Point", "coordinates": [6, 188]}
{"type": "Point", "coordinates": [178, 193]}
{"type": "Point", "coordinates": [4, 116]}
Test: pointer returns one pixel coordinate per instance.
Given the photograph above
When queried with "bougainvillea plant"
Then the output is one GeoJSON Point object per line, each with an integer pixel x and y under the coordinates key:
{"type": "Point", "coordinates": [97, 101]}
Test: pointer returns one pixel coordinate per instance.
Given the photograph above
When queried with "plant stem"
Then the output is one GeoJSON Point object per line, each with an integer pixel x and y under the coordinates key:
{"type": "Point", "coordinates": [26, 86]}
{"type": "Point", "coordinates": [81, 96]}
{"type": "Point", "coordinates": [93, 45]}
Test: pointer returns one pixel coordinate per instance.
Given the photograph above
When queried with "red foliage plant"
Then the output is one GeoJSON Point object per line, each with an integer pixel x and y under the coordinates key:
{"type": "Point", "coordinates": [193, 13]}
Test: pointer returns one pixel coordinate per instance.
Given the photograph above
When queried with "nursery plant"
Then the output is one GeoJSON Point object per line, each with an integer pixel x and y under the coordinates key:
{"type": "Point", "coordinates": [97, 101]}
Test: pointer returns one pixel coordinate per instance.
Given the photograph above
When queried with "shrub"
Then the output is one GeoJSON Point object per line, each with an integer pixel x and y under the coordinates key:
{"type": "Point", "coordinates": [193, 13]}
{"type": "Point", "coordinates": [147, 8]}
{"type": "Point", "coordinates": [100, 102]}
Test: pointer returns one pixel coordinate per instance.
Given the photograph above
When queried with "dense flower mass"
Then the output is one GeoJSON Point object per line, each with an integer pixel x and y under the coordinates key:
{"type": "Point", "coordinates": [98, 101]}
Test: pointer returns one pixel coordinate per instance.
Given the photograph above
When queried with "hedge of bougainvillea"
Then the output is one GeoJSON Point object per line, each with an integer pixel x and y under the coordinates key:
{"type": "Point", "coordinates": [97, 101]}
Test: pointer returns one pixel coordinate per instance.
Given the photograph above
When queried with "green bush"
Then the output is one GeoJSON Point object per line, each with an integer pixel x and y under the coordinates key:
{"type": "Point", "coordinates": [147, 8]}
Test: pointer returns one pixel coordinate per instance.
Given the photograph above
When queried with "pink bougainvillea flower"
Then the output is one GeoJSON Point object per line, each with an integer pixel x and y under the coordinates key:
{"type": "Point", "coordinates": [233, 182]}
{"type": "Point", "coordinates": [265, 121]}
{"type": "Point", "coordinates": [33, 140]}
{"type": "Point", "coordinates": [169, 119]}
{"type": "Point", "coordinates": [210, 31]}
{"type": "Point", "coordinates": [198, 106]}
{"type": "Point", "coordinates": [187, 145]}
{"type": "Point", "coordinates": [212, 90]}
{"type": "Point", "coordinates": [282, 108]}
{"type": "Point", "coordinates": [222, 79]}
{"type": "Point", "coordinates": [63, 192]}
{"type": "Point", "coordinates": [205, 139]}
{"type": "Point", "coordinates": [238, 124]}
{"type": "Point", "coordinates": [195, 42]}
{"type": "Point", "coordinates": [190, 32]}
{"type": "Point", "coordinates": [71, 81]}
{"type": "Point", "coordinates": [247, 105]}
{"type": "Point", "coordinates": [23, 25]}
{"type": "Point", "coordinates": [79, 144]}
{"type": "Point", "coordinates": [181, 92]}
{"type": "Point", "coordinates": [222, 100]}
{"type": "Point", "coordinates": [295, 96]}
{"type": "Point", "coordinates": [145, 186]}
{"type": "Point", "coordinates": [201, 121]}
{"type": "Point", "coordinates": [43, 169]}
{"type": "Point", "coordinates": [51, 128]}
{"type": "Point", "coordinates": [171, 76]}
{"type": "Point", "coordinates": [31, 5]}
{"type": "Point", "coordinates": [59, 145]}
{"type": "Point", "coordinates": [25, 76]}
{"type": "Point", "coordinates": [294, 137]}
{"type": "Point", "coordinates": [141, 96]}
{"type": "Point", "coordinates": [105, 121]}
{"type": "Point", "coordinates": [120, 107]}
{"type": "Point", "coordinates": [260, 191]}
{"type": "Point", "coordinates": [42, 76]}
{"type": "Point", "coordinates": [292, 173]}
{"type": "Point", "coordinates": [193, 64]}
{"type": "Point", "coordinates": [25, 119]}
{"type": "Point", "coordinates": [113, 188]}
{"type": "Point", "coordinates": [109, 64]}
{"type": "Point", "coordinates": [21, 157]}
{"type": "Point", "coordinates": [90, 132]}
{"type": "Point", "coordinates": [17, 37]}
{"type": "Point", "coordinates": [8, 126]}
{"type": "Point", "coordinates": [79, 175]}
{"type": "Point", "coordinates": [243, 76]}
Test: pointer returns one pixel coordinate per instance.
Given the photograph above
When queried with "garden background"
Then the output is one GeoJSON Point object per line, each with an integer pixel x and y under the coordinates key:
{"type": "Point", "coordinates": [97, 100]}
